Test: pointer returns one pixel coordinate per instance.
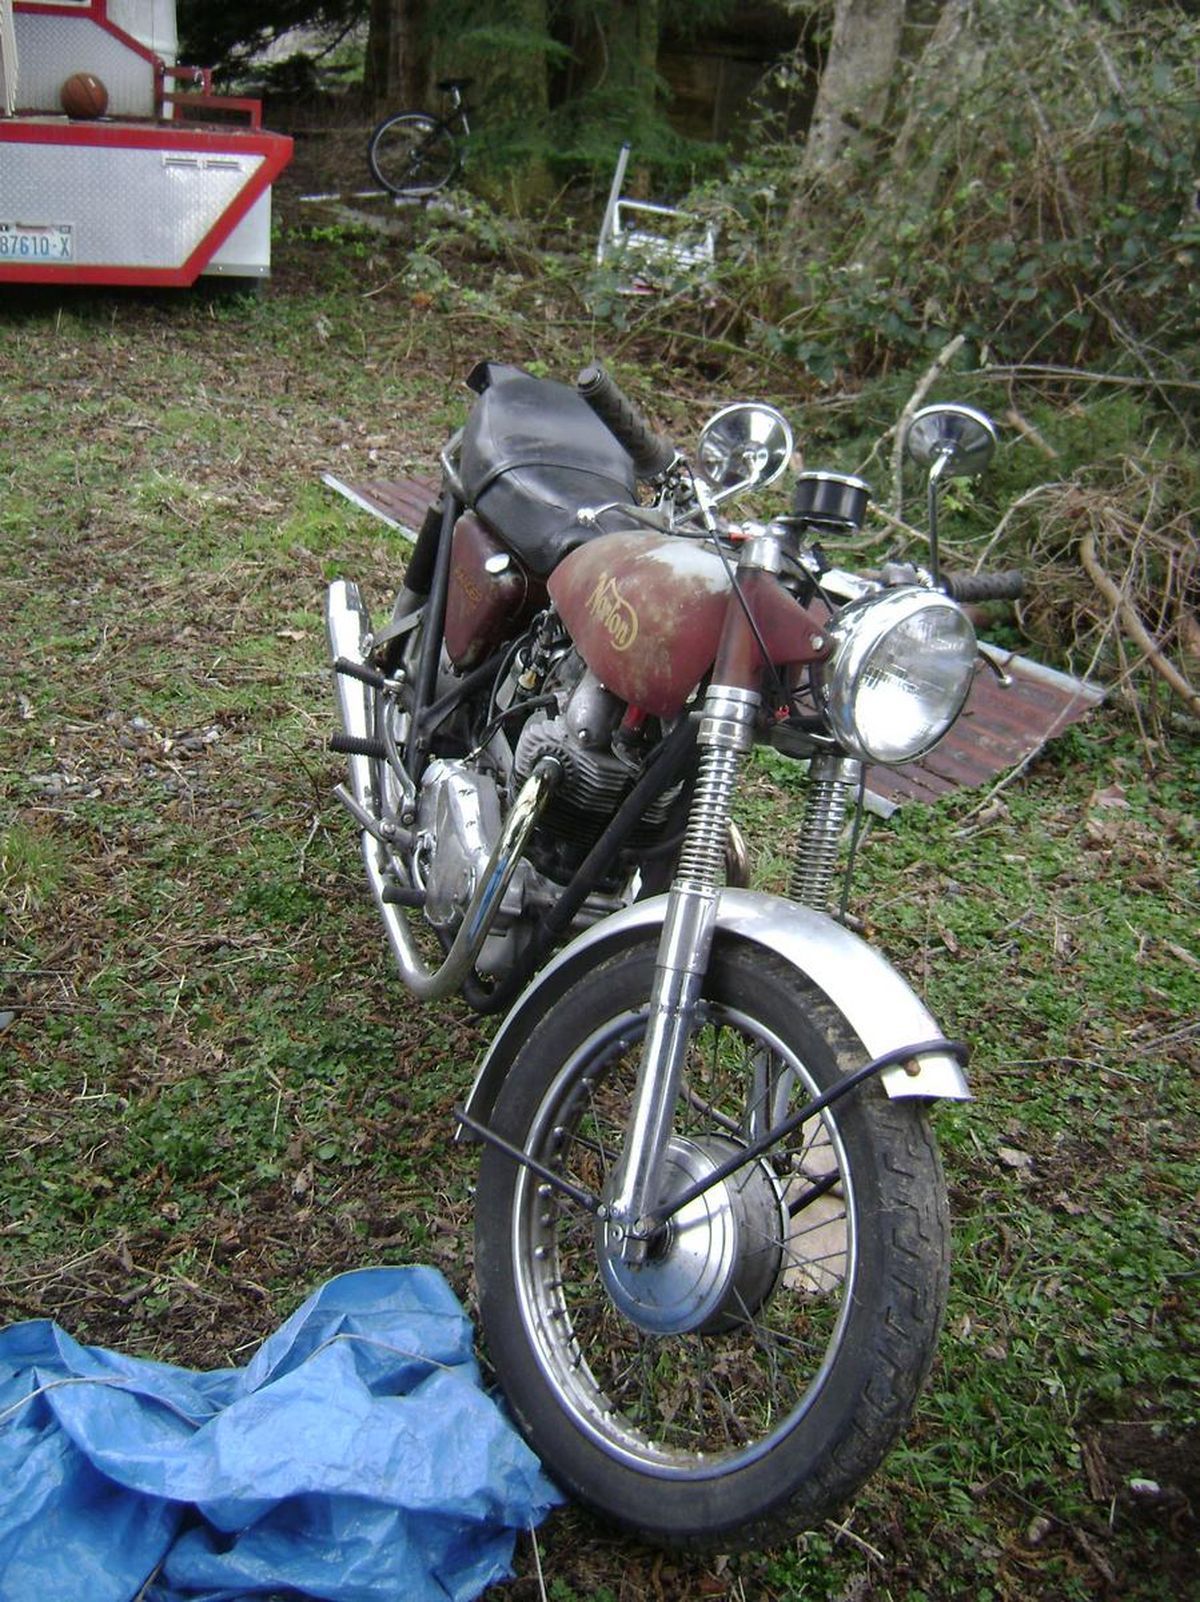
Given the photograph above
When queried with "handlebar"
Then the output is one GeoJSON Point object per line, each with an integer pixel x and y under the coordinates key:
{"type": "Point", "coordinates": [653, 454]}
{"type": "Point", "coordinates": [971, 587]}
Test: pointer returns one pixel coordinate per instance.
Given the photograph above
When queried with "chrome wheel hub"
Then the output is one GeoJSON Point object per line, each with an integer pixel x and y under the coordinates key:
{"type": "Point", "coordinates": [716, 1260]}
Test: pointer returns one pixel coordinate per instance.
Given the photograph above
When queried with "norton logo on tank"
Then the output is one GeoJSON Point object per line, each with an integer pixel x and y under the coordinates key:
{"type": "Point", "coordinates": [614, 613]}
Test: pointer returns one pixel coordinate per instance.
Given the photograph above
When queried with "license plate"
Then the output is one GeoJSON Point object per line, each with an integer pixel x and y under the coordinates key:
{"type": "Point", "coordinates": [30, 242]}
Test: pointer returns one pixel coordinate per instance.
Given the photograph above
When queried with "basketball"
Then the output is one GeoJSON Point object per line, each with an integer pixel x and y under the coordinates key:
{"type": "Point", "coordinates": [83, 95]}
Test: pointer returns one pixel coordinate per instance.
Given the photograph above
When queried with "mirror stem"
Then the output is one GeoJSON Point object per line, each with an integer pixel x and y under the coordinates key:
{"type": "Point", "coordinates": [935, 475]}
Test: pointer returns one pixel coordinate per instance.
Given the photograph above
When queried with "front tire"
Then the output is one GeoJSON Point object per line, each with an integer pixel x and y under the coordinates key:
{"type": "Point", "coordinates": [745, 1382]}
{"type": "Point", "coordinates": [412, 155]}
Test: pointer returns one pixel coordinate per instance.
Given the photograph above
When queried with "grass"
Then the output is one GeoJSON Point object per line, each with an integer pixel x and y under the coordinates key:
{"type": "Point", "coordinates": [217, 1095]}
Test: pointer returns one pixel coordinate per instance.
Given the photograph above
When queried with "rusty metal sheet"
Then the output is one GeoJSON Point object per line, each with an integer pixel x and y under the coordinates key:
{"type": "Point", "coordinates": [400, 503]}
{"type": "Point", "coordinates": [1001, 726]}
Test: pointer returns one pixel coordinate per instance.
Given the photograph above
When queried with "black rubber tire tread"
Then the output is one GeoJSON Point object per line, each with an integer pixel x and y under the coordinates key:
{"type": "Point", "coordinates": [898, 1300]}
{"type": "Point", "coordinates": [438, 162]}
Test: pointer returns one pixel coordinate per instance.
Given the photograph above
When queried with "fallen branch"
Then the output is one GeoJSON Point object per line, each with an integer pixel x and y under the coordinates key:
{"type": "Point", "coordinates": [1049, 370]}
{"type": "Point", "coordinates": [1134, 626]}
{"type": "Point", "coordinates": [1024, 427]}
{"type": "Point", "coordinates": [895, 523]}
{"type": "Point", "coordinates": [938, 366]}
{"type": "Point", "coordinates": [1022, 500]}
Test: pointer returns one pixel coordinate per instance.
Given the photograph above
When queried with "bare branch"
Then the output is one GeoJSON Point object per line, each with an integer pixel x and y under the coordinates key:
{"type": "Point", "coordinates": [1050, 370]}
{"type": "Point", "coordinates": [936, 368]}
{"type": "Point", "coordinates": [1133, 624]}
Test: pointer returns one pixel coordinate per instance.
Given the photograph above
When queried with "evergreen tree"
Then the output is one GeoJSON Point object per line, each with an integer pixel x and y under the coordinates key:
{"type": "Point", "coordinates": [227, 34]}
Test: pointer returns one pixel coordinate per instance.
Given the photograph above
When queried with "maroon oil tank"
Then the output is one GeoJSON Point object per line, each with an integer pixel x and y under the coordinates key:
{"type": "Point", "coordinates": [645, 612]}
{"type": "Point", "coordinates": [486, 599]}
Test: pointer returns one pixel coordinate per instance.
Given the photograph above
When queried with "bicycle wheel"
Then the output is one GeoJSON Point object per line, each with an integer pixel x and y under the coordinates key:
{"type": "Point", "coordinates": [412, 154]}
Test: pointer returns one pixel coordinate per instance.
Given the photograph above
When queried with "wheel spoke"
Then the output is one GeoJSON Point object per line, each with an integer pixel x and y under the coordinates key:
{"type": "Point", "coordinates": [720, 1389]}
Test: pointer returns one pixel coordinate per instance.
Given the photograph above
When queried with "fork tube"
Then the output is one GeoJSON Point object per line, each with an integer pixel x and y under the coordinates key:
{"type": "Point", "coordinates": [724, 737]}
{"type": "Point", "coordinates": [833, 782]}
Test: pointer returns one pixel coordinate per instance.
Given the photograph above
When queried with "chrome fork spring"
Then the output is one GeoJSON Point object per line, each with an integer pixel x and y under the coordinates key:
{"type": "Point", "coordinates": [702, 858]}
{"type": "Point", "coordinates": [832, 786]}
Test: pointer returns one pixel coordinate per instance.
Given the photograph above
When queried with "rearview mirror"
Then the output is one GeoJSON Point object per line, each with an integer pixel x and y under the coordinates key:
{"type": "Point", "coordinates": [958, 437]}
{"type": "Point", "coordinates": [744, 444]}
{"type": "Point", "coordinates": [951, 442]}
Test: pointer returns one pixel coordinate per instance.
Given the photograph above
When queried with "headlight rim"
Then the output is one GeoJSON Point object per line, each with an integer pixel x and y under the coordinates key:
{"type": "Point", "coordinates": [856, 633]}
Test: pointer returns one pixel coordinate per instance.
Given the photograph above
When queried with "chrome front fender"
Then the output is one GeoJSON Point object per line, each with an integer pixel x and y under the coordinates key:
{"type": "Point", "coordinates": [880, 1007]}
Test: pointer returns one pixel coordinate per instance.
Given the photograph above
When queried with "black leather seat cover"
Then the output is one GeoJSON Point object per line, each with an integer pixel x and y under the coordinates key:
{"type": "Point", "coordinates": [533, 454]}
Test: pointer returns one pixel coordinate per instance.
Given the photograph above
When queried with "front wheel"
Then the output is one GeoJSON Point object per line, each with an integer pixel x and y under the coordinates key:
{"type": "Point", "coordinates": [743, 1381]}
{"type": "Point", "coordinates": [412, 155]}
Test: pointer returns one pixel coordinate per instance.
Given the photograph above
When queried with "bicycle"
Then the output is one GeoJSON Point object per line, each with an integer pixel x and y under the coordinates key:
{"type": "Point", "coordinates": [412, 154]}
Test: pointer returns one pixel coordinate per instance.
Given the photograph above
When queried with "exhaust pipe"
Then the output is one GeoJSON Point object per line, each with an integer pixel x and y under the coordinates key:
{"type": "Point", "coordinates": [349, 625]}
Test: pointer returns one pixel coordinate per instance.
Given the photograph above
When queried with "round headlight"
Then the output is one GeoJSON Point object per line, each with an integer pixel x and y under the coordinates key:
{"type": "Point", "coordinates": [898, 675]}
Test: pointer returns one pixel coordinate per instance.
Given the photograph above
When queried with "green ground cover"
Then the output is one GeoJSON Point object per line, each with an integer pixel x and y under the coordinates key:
{"type": "Point", "coordinates": [216, 1093]}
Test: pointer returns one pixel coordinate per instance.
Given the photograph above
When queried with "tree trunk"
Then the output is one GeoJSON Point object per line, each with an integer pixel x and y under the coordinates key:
{"type": "Point", "coordinates": [398, 57]}
{"type": "Point", "coordinates": [855, 86]}
{"type": "Point", "coordinates": [634, 48]}
{"type": "Point", "coordinates": [947, 75]}
{"type": "Point", "coordinates": [953, 56]}
{"type": "Point", "coordinates": [615, 47]}
{"type": "Point", "coordinates": [527, 72]}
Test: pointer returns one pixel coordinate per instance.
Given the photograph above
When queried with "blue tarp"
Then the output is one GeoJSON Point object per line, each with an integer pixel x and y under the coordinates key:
{"type": "Point", "coordinates": [355, 1458]}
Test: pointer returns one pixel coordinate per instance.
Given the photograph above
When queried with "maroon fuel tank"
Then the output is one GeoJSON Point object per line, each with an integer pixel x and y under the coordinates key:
{"type": "Point", "coordinates": [645, 612]}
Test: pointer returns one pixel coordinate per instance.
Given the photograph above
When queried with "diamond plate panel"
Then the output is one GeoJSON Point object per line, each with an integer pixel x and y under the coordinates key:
{"type": "Point", "coordinates": [50, 48]}
{"type": "Point", "coordinates": [127, 207]}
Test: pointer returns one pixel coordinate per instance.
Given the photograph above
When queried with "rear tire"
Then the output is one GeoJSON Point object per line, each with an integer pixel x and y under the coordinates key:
{"type": "Point", "coordinates": [759, 1413]}
{"type": "Point", "coordinates": [412, 155]}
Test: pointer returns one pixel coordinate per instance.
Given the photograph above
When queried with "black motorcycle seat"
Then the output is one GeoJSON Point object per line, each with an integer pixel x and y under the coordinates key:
{"type": "Point", "coordinates": [534, 454]}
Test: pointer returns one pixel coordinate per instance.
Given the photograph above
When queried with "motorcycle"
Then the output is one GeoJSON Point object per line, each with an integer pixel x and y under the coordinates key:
{"type": "Point", "coordinates": [711, 1241]}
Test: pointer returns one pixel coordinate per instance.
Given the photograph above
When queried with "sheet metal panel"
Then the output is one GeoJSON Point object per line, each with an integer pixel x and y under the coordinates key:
{"type": "Point", "coordinates": [150, 22]}
{"type": "Point", "coordinates": [1000, 727]}
{"type": "Point", "coordinates": [247, 251]}
{"type": "Point", "coordinates": [8, 60]}
{"type": "Point", "coordinates": [146, 203]}
{"type": "Point", "coordinates": [400, 503]}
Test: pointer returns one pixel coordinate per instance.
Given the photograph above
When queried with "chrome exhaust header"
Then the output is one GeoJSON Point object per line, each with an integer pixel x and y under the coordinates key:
{"type": "Point", "coordinates": [349, 627]}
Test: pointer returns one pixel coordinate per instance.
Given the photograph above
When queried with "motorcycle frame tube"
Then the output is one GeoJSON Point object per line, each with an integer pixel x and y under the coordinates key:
{"type": "Point", "coordinates": [677, 752]}
{"type": "Point", "coordinates": [425, 687]}
{"type": "Point", "coordinates": [881, 1008]}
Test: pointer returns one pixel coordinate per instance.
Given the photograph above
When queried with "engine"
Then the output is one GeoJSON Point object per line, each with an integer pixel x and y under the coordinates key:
{"type": "Point", "coordinates": [460, 811]}
{"type": "Point", "coordinates": [586, 739]}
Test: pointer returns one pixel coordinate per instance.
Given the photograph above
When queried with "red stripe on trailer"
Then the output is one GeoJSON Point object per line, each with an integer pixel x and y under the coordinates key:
{"type": "Point", "coordinates": [275, 149]}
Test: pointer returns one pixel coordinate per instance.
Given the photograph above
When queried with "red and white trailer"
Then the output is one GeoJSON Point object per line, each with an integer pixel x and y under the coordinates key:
{"type": "Point", "coordinates": [172, 182]}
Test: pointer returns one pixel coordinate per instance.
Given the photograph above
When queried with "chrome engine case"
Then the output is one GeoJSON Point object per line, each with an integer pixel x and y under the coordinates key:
{"type": "Point", "coordinates": [458, 824]}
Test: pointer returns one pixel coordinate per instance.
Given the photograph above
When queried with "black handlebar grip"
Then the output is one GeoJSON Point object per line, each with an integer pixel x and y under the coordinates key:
{"type": "Point", "coordinates": [652, 453]}
{"type": "Point", "coordinates": [970, 587]}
